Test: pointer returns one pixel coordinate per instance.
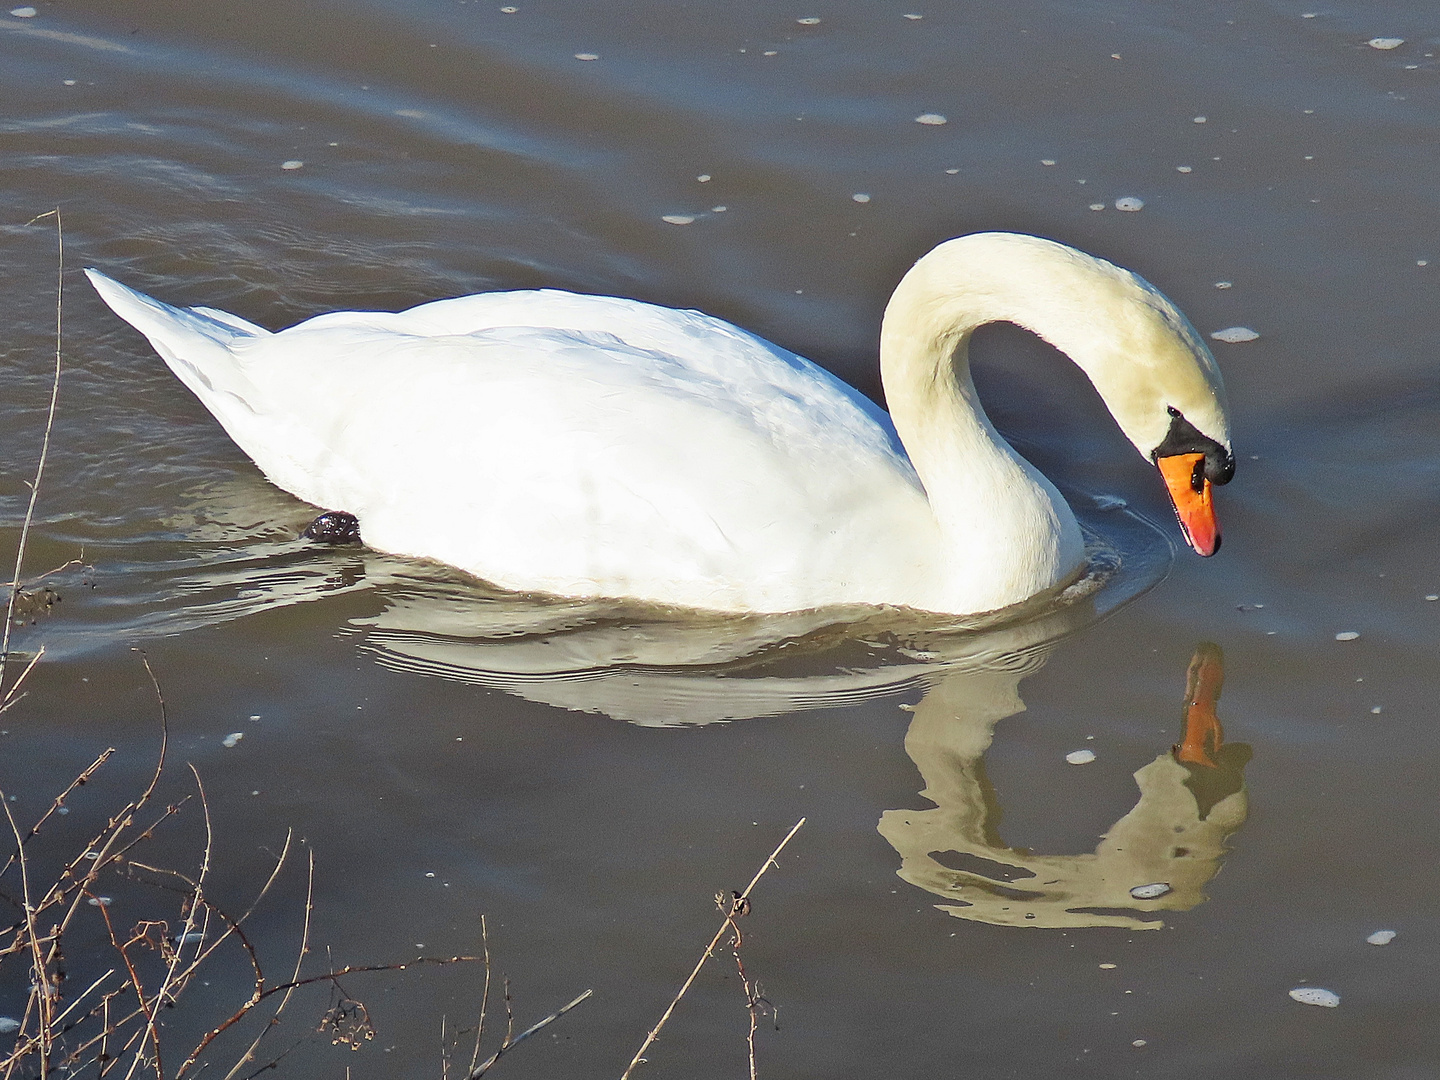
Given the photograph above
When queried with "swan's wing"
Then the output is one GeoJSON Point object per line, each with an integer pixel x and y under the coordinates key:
{"type": "Point", "coordinates": [697, 345]}
{"type": "Point", "coordinates": [565, 443]}
{"type": "Point", "coordinates": [577, 462]}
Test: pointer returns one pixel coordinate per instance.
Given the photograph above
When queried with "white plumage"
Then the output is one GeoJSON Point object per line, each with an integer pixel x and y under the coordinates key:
{"type": "Point", "coordinates": [596, 446]}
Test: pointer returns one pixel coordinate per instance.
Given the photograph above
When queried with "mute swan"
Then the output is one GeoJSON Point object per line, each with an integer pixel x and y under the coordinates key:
{"type": "Point", "coordinates": [595, 446]}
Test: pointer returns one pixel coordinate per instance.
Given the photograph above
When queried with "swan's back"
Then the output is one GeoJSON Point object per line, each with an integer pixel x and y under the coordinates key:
{"type": "Point", "coordinates": [571, 444]}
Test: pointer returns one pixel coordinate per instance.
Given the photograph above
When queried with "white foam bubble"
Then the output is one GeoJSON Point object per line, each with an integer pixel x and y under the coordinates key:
{"type": "Point", "coordinates": [1153, 891]}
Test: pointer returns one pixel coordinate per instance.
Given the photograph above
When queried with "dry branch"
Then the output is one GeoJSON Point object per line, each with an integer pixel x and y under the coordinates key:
{"type": "Point", "coordinates": [741, 898]}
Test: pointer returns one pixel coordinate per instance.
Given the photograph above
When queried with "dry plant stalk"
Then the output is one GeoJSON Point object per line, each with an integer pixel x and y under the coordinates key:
{"type": "Point", "coordinates": [9, 696]}
{"type": "Point", "coordinates": [113, 1023]}
{"type": "Point", "coordinates": [740, 905]}
{"type": "Point", "coordinates": [756, 1003]}
{"type": "Point", "coordinates": [511, 1040]}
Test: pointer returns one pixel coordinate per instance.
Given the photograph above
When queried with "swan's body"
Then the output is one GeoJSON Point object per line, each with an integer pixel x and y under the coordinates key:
{"type": "Point", "coordinates": [594, 446]}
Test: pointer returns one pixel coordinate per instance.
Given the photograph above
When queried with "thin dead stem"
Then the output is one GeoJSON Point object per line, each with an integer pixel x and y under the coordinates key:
{"type": "Point", "coordinates": [44, 449]}
{"type": "Point", "coordinates": [484, 996]}
{"type": "Point", "coordinates": [709, 949]}
{"type": "Point", "coordinates": [510, 1043]}
{"type": "Point", "coordinates": [249, 1054]}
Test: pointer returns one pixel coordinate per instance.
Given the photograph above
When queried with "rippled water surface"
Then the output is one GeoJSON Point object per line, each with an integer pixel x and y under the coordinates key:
{"type": "Point", "coordinates": [589, 776]}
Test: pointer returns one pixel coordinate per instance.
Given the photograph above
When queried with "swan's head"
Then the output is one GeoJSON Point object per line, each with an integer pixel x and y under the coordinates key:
{"type": "Point", "coordinates": [1155, 373]}
{"type": "Point", "coordinates": [1163, 387]}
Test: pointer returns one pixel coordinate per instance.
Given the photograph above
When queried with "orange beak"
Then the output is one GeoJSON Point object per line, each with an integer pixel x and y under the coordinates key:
{"type": "Point", "coordinates": [1190, 493]}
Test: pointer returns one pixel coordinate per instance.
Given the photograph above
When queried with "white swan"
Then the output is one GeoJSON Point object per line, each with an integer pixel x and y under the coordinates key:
{"type": "Point", "coordinates": [595, 446]}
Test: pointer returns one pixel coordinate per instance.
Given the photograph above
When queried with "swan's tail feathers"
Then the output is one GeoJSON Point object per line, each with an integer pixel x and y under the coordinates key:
{"type": "Point", "coordinates": [161, 322]}
{"type": "Point", "coordinates": [202, 346]}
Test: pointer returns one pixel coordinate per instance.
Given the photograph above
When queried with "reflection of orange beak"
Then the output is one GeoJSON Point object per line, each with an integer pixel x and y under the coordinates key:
{"type": "Point", "coordinates": [1190, 493]}
{"type": "Point", "coordinates": [1203, 734]}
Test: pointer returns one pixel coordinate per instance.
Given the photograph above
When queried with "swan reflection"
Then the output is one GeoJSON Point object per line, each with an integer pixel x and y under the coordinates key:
{"type": "Point", "coordinates": [1159, 856]}
{"type": "Point", "coordinates": [662, 667]}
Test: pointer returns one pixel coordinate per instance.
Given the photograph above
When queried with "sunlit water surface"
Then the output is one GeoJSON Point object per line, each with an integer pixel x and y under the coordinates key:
{"type": "Point", "coordinates": [589, 775]}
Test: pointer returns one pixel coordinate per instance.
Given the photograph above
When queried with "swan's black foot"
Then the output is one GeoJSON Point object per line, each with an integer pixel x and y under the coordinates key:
{"type": "Point", "coordinates": [334, 527]}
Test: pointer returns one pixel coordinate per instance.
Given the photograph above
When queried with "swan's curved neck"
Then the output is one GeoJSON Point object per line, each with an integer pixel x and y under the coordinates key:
{"type": "Point", "coordinates": [989, 502]}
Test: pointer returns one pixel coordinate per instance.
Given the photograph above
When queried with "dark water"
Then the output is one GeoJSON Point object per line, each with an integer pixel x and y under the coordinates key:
{"type": "Point", "coordinates": [560, 767]}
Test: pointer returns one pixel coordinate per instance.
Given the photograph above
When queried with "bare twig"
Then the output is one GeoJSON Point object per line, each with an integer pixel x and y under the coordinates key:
{"type": "Point", "coordinates": [709, 949]}
{"type": "Point", "coordinates": [249, 1054]}
{"type": "Point", "coordinates": [13, 696]}
{"type": "Point", "coordinates": [42, 996]}
{"type": "Point", "coordinates": [509, 1043]}
{"type": "Point", "coordinates": [484, 996]}
{"type": "Point", "coordinates": [44, 446]}
{"type": "Point", "coordinates": [755, 1002]}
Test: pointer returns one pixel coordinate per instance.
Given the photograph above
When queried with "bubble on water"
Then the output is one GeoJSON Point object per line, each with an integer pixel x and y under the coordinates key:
{"type": "Point", "coordinates": [24, 12]}
{"type": "Point", "coordinates": [100, 901]}
{"type": "Point", "coordinates": [8, 1024]}
{"type": "Point", "coordinates": [1080, 757]}
{"type": "Point", "coordinates": [1422, 262]}
{"type": "Point", "coordinates": [933, 119]}
{"type": "Point", "coordinates": [230, 740]}
{"type": "Point", "coordinates": [1376, 710]}
{"type": "Point", "coordinates": [1047, 161]}
{"type": "Point", "coordinates": [1347, 635]}
{"type": "Point", "coordinates": [1384, 44]}
{"type": "Point", "coordinates": [1314, 995]}
{"type": "Point", "coordinates": [809, 20]}
{"type": "Point", "coordinates": [587, 56]}
{"type": "Point", "coordinates": [914, 17]}
{"type": "Point", "coordinates": [1129, 203]}
{"type": "Point", "coordinates": [860, 197]}
{"type": "Point", "coordinates": [1153, 891]}
{"type": "Point", "coordinates": [1137, 1042]}
{"type": "Point", "coordinates": [718, 209]}
{"type": "Point", "coordinates": [509, 10]}
{"type": "Point", "coordinates": [1234, 335]}
{"type": "Point", "coordinates": [69, 82]}
{"type": "Point", "coordinates": [1308, 15]}
{"type": "Point", "coordinates": [1183, 168]}
{"type": "Point", "coordinates": [1224, 284]}
{"type": "Point", "coordinates": [1432, 596]}
{"type": "Point", "coordinates": [1097, 206]}
{"type": "Point", "coordinates": [951, 172]}
{"type": "Point", "coordinates": [1108, 967]}
{"type": "Point", "coordinates": [1381, 937]}
{"type": "Point", "coordinates": [704, 178]}
{"type": "Point", "coordinates": [1199, 120]}
{"type": "Point", "coordinates": [292, 165]}
{"type": "Point", "coordinates": [678, 219]}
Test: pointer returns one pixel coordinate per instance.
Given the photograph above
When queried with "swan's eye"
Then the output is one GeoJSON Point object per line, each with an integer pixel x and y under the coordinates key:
{"type": "Point", "coordinates": [1217, 465]}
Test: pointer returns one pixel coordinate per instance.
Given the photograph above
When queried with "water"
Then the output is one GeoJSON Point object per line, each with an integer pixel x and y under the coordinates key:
{"type": "Point", "coordinates": [562, 768]}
